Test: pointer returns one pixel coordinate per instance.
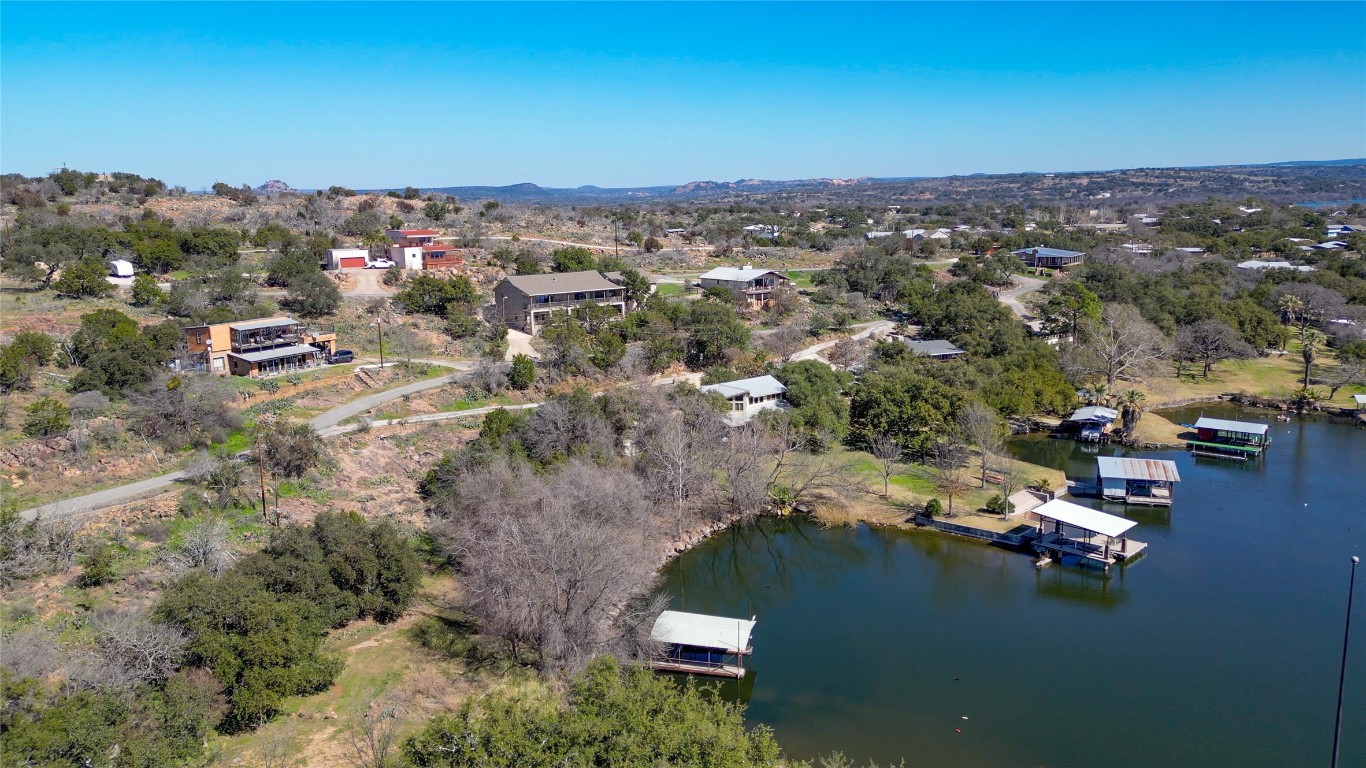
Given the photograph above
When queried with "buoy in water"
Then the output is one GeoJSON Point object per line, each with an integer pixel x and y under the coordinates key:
{"type": "Point", "coordinates": [957, 730]}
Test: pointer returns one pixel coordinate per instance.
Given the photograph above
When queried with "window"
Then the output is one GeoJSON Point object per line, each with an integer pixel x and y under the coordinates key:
{"type": "Point", "coordinates": [199, 337]}
{"type": "Point", "coordinates": [580, 296]}
{"type": "Point", "coordinates": [218, 363]}
{"type": "Point", "coordinates": [598, 294]}
{"type": "Point", "coordinates": [542, 299]}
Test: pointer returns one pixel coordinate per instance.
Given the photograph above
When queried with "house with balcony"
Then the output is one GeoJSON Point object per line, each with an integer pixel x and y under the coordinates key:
{"type": "Point", "coordinates": [258, 348]}
{"type": "Point", "coordinates": [757, 286]}
{"type": "Point", "coordinates": [419, 249]}
{"type": "Point", "coordinates": [527, 302]}
{"type": "Point", "coordinates": [1049, 258]}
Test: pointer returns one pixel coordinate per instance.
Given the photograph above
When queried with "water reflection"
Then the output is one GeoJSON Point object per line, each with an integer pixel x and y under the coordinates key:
{"type": "Point", "coordinates": [1084, 585]}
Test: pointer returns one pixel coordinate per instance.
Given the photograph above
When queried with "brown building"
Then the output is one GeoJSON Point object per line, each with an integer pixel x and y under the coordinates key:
{"type": "Point", "coordinates": [258, 347]}
{"type": "Point", "coordinates": [526, 302]}
{"type": "Point", "coordinates": [757, 286]}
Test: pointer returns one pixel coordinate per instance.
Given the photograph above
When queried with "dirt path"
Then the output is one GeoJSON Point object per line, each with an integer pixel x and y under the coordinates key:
{"type": "Point", "coordinates": [877, 328]}
{"type": "Point", "coordinates": [1013, 297]}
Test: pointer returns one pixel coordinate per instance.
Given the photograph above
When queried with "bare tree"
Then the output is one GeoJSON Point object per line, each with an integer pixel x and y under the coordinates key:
{"type": "Point", "coordinates": [373, 735]}
{"type": "Point", "coordinates": [1014, 476]}
{"type": "Point", "coordinates": [277, 746]}
{"type": "Point", "coordinates": [1209, 342]}
{"type": "Point", "coordinates": [1351, 367]}
{"type": "Point", "coordinates": [982, 428]}
{"type": "Point", "coordinates": [677, 454]}
{"type": "Point", "coordinates": [1122, 345]}
{"type": "Point", "coordinates": [1307, 305]}
{"type": "Point", "coordinates": [205, 545]}
{"type": "Point", "coordinates": [32, 651]}
{"type": "Point", "coordinates": [951, 476]}
{"type": "Point", "coordinates": [148, 651]}
{"type": "Point", "coordinates": [785, 341]}
{"type": "Point", "coordinates": [848, 353]}
{"type": "Point", "coordinates": [887, 450]}
{"type": "Point", "coordinates": [34, 547]}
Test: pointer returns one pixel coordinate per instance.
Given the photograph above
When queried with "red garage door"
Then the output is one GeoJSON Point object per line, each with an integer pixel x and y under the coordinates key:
{"type": "Point", "coordinates": [348, 262]}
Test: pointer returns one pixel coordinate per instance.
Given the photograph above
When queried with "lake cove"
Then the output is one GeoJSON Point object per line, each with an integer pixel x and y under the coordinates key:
{"type": "Point", "coordinates": [1218, 647]}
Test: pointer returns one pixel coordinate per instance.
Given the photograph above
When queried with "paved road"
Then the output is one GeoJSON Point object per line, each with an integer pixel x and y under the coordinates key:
{"type": "Point", "coordinates": [324, 422]}
{"type": "Point", "coordinates": [1012, 297]}
{"type": "Point", "coordinates": [875, 328]}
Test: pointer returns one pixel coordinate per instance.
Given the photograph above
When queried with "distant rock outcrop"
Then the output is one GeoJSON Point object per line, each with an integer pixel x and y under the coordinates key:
{"type": "Point", "coordinates": [274, 187]}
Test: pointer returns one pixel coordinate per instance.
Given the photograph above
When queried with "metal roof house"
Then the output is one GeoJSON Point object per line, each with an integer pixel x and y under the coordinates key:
{"type": "Point", "coordinates": [936, 349]}
{"type": "Point", "coordinates": [701, 644]}
{"type": "Point", "coordinates": [1048, 258]}
{"type": "Point", "coordinates": [1073, 532]}
{"type": "Point", "coordinates": [527, 302]}
{"type": "Point", "coordinates": [1226, 439]}
{"type": "Point", "coordinates": [756, 286]}
{"type": "Point", "coordinates": [746, 397]}
{"type": "Point", "coordinates": [1137, 481]}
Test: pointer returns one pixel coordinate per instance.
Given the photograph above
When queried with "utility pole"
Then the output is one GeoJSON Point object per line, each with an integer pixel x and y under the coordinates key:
{"type": "Point", "coordinates": [1342, 671]}
{"type": "Point", "coordinates": [261, 471]}
{"type": "Point", "coordinates": [379, 326]}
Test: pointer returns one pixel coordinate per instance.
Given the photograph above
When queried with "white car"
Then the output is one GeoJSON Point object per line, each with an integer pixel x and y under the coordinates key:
{"type": "Point", "coordinates": [379, 264]}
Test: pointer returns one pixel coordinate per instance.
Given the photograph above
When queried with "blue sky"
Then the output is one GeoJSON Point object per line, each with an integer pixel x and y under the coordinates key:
{"type": "Point", "coordinates": [624, 94]}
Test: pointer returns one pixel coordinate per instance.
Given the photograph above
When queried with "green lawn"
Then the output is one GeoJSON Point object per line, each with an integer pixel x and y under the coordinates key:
{"type": "Point", "coordinates": [669, 290]}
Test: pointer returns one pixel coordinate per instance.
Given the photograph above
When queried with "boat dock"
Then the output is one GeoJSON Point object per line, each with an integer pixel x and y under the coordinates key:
{"type": "Point", "coordinates": [1224, 439]}
{"type": "Point", "coordinates": [698, 644]}
{"type": "Point", "coordinates": [1070, 529]}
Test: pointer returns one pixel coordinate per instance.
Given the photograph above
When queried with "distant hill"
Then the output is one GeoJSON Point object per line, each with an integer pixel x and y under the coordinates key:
{"type": "Point", "coordinates": [1284, 181]}
{"type": "Point", "coordinates": [274, 187]}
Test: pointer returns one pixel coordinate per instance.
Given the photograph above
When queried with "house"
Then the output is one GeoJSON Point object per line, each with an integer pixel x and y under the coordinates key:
{"type": "Point", "coordinates": [1249, 211]}
{"type": "Point", "coordinates": [761, 230]}
{"type": "Point", "coordinates": [526, 302]}
{"type": "Point", "coordinates": [935, 349]}
{"type": "Point", "coordinates": [747, 397]}
{"type": "Point", "coordinates": [418, 249]}
{"type": "Point", "coordinates": [1360, 401]}
{"type": "Point", "coordinates": [675, 231]}
{"type": "Point", "coordinates": [1331, 245]}
{"type": "Point", "coordinates": [1049, 258]}
{"type": "Point", "coordinates": [1138, 248]}
{"type": "Point", "coordinates": [1192, 250]}
{"type": "Point", "coordinates": [1150, 220]}
{"type": "Point", "coordinates": [121, 268]}
{"type": "Point", "coordinates": [347, 258]}
{"type": "Point", "coordinates": [877, 235]}
{"type": "Point", "coordinates": [258, 347]}
{"type": "Point", "coordinates": [926, 234]}
{"type": "Point", "coordinates": [755, 285]}
{"type": "Point", "coordinates": [1258, 265]}
{"type": "Point", "coordinates": [1227, 439]}
{"type": "Point", "coordinates": [1342, 229]}
{"type": "Point", "coordinates": [1136, 481]}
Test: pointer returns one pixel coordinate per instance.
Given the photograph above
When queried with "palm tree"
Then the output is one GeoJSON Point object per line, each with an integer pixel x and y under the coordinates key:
{"type": "Point", "coordinates": [1310, 341]}
{"type": "Point", "coordinates": [1132, 402]}
{"type": "Point", "coordinates": [1101, 394]}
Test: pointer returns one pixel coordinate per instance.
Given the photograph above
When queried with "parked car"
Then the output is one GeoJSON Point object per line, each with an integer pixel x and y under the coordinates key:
{"type": "Point", "coordinates": [379, 264]}
{"type": "Point", "coordinates": [341, 356]}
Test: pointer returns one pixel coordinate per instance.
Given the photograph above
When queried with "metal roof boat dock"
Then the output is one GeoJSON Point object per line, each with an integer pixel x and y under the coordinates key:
{"type": "Point", "coordinates": [1067, 529]}
{"type": "Point", "coordinates": [1137, 481]}
{"type": "Point", "coordinates": [1226, 439]}
{"type": "Point", "coordinates": [701, 644]}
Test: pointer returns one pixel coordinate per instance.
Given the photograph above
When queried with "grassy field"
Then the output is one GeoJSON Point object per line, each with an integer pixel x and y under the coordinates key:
{"type": "Point", "coordinates": [914, 484]}
{"type": "Point", "coordinates": [1277, 376]}
{"type": "Point", "coordinates": [670, 290]}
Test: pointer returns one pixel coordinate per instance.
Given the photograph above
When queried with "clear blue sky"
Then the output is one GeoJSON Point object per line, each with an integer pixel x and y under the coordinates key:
{"type": "Point", "coordinates": [623, 94]}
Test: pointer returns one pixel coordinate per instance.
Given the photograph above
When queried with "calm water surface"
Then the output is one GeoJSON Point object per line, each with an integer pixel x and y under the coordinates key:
{"type": "Point", "coordinates": [1218, 647]}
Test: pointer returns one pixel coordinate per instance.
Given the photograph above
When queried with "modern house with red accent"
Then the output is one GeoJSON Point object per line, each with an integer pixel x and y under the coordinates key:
{"type": "Point", "coordinates": [419, 249]}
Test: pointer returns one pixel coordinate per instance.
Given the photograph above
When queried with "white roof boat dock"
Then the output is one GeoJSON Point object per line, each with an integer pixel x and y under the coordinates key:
{"type": "Point", "coordinates": [703, 645]}
{"type": "Point", "coordinates": [1071, 529]}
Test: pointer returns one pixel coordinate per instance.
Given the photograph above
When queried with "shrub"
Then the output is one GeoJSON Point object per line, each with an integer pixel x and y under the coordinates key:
{"type": "Point", "coordinates": [47, 417]}
{"type": "Point", "coordinates": [98, 566]}
{"type": "Point", "coordinates": [998, 505]}
{"type": "Point", "coordinates": [933, 508]}
{"type": "Point", "coordinates": [523, 373]}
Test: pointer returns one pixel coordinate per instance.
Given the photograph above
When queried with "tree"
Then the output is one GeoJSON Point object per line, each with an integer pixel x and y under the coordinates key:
{"type": "Point", "coordinates": [651, 244]}
{"type": "Point", "coordinates": [146, 292]}
{"type": "Point", "coordinates": [713, 331]}
{"type": "Point", "coordinates": [1304, 305]}
{"type": "Point", "coordinates": [981, 427]}
{"type": "Point", "coordinates": [430, 295]}
{"type": "Point", "coordinates": [1351, 367]}
{"type": "Point", "coordinates": [313, 295]}
{"type": "Point", "coordinates": [523, 373]}
{"type": "Point", "coordinates": [1121, 346]}
{"type": "Point", "coordinates": [435, 210]}
{"type": "Point", "coordinates": [84, 278]}
{"type": "Point", "coordinates": [608, 349]}
{"type": "Point", "coordinates": [99, 566]}
{"type": "Point", "coordinates": [1069, 309]}
{"type": "Point", "coordinates": [1131, 404]}
{"type": "Point", "coordinates": [785, 341]}
{"type": "Point", "coordinates": [47, 417]}
{"type": "Point", "coordinates": [677, 456]}
{"type": "Point", "coordinates": [572, 259]}
{"type": "Point", "coordinates": [914, 409]}
{"type": "Point", "coordinates": [1310, 341]}
{"type": "Point", "coordinates": [815, 392]}
{"type": "Point", "coordinates": [887, 450]}
{"type": "Point", "coordinates": [951, 478]}
{"type": "Point", "coordinates": [289, 450]}
{"type": "Point", "coordinates": [1209, 342]}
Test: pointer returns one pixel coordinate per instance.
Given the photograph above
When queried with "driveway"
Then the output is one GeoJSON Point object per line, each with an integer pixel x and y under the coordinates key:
{"type": "Point", "coordinates": [520, 344]}
{"type": "Point", "coordinates": [1013, 298]}
{"type": "Point", "coordinates": [875, 329]}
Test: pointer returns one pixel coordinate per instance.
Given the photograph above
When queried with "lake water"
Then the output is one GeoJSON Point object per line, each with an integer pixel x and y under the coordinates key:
{"type": "Point", "coordinates": [1218, 647]}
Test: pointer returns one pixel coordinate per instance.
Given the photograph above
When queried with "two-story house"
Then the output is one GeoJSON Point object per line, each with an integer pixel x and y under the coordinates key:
{"type": "Point", "coordinates": [258, 347]}
{"type": "Point", "coordinates": [418, 249]}
{"type": "Point", "coordinates": [757, 286]}
{"type": "Point", "coordinates": [526, 302]}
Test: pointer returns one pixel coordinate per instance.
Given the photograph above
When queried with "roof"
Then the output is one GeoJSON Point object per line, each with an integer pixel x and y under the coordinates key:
{"type": "Point", "coordinates": [561, 282]}
{"type": "Point", "coordinates": [1138, 469]}
{"type": "Point", "coordinates": [758, 386]}
{"type": "Point", "coordinates": [416, 232]}
{"type": "Point", "coordinates": [1224, 425]}
{"type": "Point", "coordinates": [933, 347]}
{"type": "Point", "coordinates": [271, 354]}
{"type": "Point", "coordinates": [121, 263]}
{"type": "Point", "coordinates": [1084, 517]}
{"type": "Point", "coordinates": [1093, 413]}
{"type": "Point", "coordinates": [696, 629]}
{"type": "Point", "coordinates": [1361, 399]}
{"type": "Point", "coordinates": [738, 274]}
{"type": "Point", "coordinates": [252, 325]}
{"type": "Point", "coordinates": [1041, 251]}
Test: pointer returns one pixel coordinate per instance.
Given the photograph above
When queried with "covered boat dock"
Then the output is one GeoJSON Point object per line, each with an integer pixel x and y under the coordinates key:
{"type": "Point", "coordinates": [702, 645]}
{"type": "Point", "coordinates": [1221, 438]}
{"type": "Point", "coordinates": [1137, 481]}
{"type": "Point", "coordinates": [1065, 528]}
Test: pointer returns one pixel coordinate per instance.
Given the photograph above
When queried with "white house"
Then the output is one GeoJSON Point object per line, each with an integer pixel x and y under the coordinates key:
{"type": "Point", "coordinates": [121, 268]}
{"type": "Point", "coordinates": [347, 258]}
{"type": "Point", "coordinates": [747, 397]}
{"type": "Point", "coordinates": [1257, 265]}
